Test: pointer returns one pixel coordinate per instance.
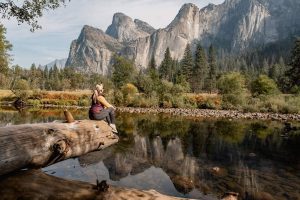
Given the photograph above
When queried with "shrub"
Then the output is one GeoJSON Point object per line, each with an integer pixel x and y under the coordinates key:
{"type": "Point", "coordinates": [84, 101]}
{"type": "Point", "coordinates": [208, 104]}
{"type": "Point", "coordinates": [129, 89]}
{"type": "Point", "coordinates": [178, 101]}
{"type": "Point", "coordinates": [129, 93]}
{"type": "Point", "coordinates": [36, 95]}
{"type": "Point", "coordinates": [274, 103]}
{"type": "Point", "coordinates": [145, 84]}
{"type": "Point", "coordinates": [118, 98]}
{"type": "Point", "coordinates": [264, 85]}
{"type": "Point", "coordinates": [21, 89]}
{"type": "Point", "coordinates": [295, 89]}
{"type": "Point", "coordinates": [153, 100]}
{"type": "Point", "coordinates": [165, 87]}
{"type": "Point", "coordinates": [190, 102]}
{"type": "Point", "coordinates": [232, 83]}
{"type": "Point", "coordinates": [232, 86]}
{"type": "Point", "coordinates": [166, 101]}
{"type": "Point", "coordinates": [34, 102]}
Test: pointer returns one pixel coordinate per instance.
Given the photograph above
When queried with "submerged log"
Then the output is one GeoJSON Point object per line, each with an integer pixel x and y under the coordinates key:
{"type": "Point", "coordinates": [40, 145]}
{"type": "Point", "coordinates": [34, 184]}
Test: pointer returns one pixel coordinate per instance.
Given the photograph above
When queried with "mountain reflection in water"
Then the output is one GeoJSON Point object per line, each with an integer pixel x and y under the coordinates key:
{"type": "Point", "coordinates": [195, 158]}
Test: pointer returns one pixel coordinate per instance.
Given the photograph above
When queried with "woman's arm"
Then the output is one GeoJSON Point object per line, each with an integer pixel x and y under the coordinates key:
{"type": "Point", "coordinates": [103, 101]}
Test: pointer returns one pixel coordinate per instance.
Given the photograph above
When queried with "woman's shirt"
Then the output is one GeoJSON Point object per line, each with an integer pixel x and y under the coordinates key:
{"type": "Point", "coordinates": [100, 104]}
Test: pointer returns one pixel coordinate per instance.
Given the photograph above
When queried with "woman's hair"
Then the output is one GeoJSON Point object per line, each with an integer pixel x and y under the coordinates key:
{"type": "Point", "coordinates": [95, 95]}
{"type": "Point", "coordinates": [99, 88]}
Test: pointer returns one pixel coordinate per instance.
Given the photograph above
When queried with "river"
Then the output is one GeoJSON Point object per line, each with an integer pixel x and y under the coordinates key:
{"type": "Point", "coordinates": [186, 157]}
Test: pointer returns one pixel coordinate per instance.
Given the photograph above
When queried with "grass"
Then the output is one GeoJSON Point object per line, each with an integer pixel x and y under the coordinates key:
{"type": "Point", "coordinates": [6, 93]}
{"type": "Point", "coordinates": [59, 98]}
{"type": "Point", "coordinates": [7, 96]}
{"type": "Point", "coordinates": [281, 103]}
{"type": "Point", "coordinates": [65, 95]}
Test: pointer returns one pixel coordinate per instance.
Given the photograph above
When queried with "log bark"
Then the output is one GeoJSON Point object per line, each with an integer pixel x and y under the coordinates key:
{"type": "Point", "coordinates": [34, 184]}
{"type": "Point", "coordinates": [40, 145]}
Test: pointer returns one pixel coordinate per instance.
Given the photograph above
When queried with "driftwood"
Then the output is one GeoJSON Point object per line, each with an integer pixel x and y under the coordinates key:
{"type": "Point", "coordinates": [34, 184]}
{"type": "Point", "coordinates": [40, 145]}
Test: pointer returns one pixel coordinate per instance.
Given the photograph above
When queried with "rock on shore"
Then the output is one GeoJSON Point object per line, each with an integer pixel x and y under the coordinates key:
{"type": "Point", "coordinates": [204, 113]}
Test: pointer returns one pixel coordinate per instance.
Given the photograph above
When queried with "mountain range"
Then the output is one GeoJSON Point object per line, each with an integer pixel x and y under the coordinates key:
{"type": "Point", "coordinates": [235, 25]}
{"type": "Point", "coordinates": [60, 63]}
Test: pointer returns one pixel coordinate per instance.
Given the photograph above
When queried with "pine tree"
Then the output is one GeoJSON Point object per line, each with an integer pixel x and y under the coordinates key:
{"type": "Point", "coordinates": [45, 78]}
{"type": "Point", "coordinates": [152, 70]}
{"type": "Point", "coordinates": [123, 71]}
{"type": "Point", "coordinates": [152, 64]}
{"type": "Point", "coordinates": [212, 69]}
{"type": "Point", "coordinates": [243, 67]}
{"type": "Point", "coordinates": [165, 70]}
{"type": "Point", "coordinates": [294, 72]}
{"type": "Point", "coordinates": [33, 71]}
{"type": "Point", "coordinates": [274, 72]}
{"type": "Point", "coordinates": [187, 64]}
{"type": "Point", "coordinates": [55, 71]}
{"type": "Point", "coordinates": [33, 79]}
{"type": "Point", "coordinates": [200, 72]}
{"type": "Point", "coordinates": [5, 46]}
{"type": "Point", "coordinates": [265, 67]}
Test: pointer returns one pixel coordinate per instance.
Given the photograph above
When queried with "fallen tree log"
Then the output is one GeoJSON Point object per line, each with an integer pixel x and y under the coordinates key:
{"type": "Point", "coordinates": [40, 145]}
{"type": "Point", "coordinates": [34, 184]}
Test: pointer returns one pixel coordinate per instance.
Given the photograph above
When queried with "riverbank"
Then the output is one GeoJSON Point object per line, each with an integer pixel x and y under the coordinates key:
{"type": "Point", "coordinates": [190, 113]}
{"type": "Point", "coordinates": [206, 113]}
{"type": "Point", "coordinates": [81, 100]}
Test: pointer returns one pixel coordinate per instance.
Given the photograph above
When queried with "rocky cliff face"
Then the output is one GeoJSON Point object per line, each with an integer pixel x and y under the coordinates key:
{"type": "Point", "coordinates": [124, 29]}
{"type": "Point", "coordinates": [92, 51]}
{"type": "Point", "coordinates": [235, 25]}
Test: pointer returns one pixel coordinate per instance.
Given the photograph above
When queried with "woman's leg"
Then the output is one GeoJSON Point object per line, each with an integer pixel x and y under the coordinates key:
{"type": "Point", "coordinates": [112, 119]}
{"type": "Point", "coordinates": [112, 115]}
{"type": "Point", "coordinates": [103, 115]}
{"type": "Point", "coordinates": [109, 115]}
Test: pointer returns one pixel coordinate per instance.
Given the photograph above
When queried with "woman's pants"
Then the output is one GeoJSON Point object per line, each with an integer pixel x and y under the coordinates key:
{"type": "Point", "coordinates": [107, 114]}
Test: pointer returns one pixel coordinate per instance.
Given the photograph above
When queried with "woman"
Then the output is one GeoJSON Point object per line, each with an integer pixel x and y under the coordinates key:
{"type": "Point", "coordinates": [101, 109]}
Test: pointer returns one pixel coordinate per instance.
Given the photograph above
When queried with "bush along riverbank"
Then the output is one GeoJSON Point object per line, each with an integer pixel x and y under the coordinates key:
{"type": "Point", "coordinates": [269, 107]}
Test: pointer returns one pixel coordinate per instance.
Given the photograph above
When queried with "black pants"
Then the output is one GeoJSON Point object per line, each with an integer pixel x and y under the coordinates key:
{"type": "Point", "coordinates": [107, 114]}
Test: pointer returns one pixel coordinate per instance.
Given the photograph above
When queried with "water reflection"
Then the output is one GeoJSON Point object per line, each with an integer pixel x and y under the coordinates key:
{"type": "Point", "coordinates": [10, 115]}
{"type": "Point", "coordinates": [192, 158]}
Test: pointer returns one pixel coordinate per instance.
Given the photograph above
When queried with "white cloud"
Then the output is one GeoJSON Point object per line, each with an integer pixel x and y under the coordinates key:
{"type": "Point", "coordinates": [63, 25]}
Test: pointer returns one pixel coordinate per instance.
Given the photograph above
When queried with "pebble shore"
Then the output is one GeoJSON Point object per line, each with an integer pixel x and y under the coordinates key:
{"type": "Point", "coordinates": [204, 113]}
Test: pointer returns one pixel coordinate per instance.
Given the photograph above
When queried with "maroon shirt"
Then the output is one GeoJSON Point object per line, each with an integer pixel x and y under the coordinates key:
{"type": "Point", "coordinates": [96, 107]}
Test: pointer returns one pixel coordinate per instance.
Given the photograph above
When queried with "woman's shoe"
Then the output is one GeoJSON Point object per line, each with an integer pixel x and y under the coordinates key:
{"type": "Point", "coordinates": [114, 128]}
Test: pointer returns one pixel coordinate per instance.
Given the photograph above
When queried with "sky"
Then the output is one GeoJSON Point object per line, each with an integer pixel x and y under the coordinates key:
{"type": "Point", "coordinates": [61, 26]}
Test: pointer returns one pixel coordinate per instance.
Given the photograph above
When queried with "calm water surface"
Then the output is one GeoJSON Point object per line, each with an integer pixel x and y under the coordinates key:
{"type": "Point", "coordinates": [186, 157]}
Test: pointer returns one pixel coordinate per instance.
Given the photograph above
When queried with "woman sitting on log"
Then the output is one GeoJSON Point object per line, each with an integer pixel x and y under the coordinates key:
{"type": "Point", "coordinates": [101, 109]}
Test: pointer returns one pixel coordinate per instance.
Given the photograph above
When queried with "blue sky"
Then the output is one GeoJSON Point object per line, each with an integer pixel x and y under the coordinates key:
{"type": "Point", "coordinates": [63, 25]}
